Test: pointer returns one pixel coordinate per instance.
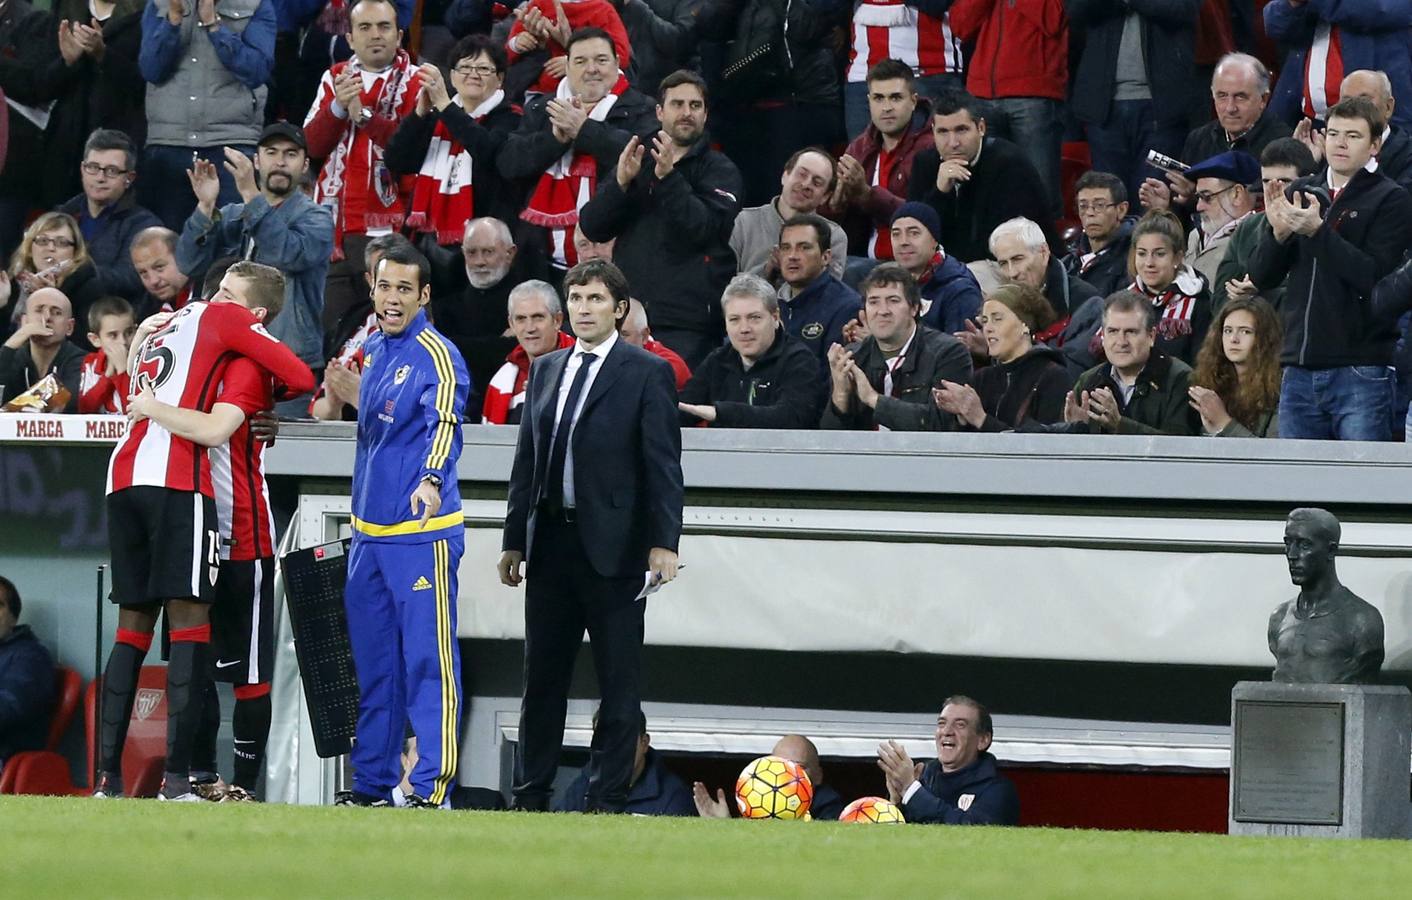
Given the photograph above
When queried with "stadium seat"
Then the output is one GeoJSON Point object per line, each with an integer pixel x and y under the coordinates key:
{"type": "Point", "coordinates": [1074, 162]}
{"type": "Point", "coordinates": [144, 754]}
{"type": "Point", "coordinates": [45, 771]}
{"type": "Point", "coordinates": [68, 687]}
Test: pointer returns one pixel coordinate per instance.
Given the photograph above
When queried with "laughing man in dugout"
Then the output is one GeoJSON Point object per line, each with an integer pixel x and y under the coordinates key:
{"type": "Point", "coordinates": [963, 785]}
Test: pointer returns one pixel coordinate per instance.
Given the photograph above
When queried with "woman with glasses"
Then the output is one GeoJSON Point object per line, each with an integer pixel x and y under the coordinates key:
{"type": "Point", "coordinates": [51, 254]}
{"type": "Point", "coordinates": [1157, 263]}
{"type": "Point", "coordinates": [451, 141]}
{"type": "Point", "coordinates": [1236, 386]}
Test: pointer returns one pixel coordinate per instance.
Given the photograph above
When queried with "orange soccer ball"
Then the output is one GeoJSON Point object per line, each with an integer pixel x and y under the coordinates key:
{"type": "Point", "coordinates": [874, 810]}
{"type": "Point", "coordinates": [773, 787]}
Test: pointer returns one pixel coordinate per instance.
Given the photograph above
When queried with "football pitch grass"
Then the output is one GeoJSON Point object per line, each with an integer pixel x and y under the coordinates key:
{"type": "Point", "coordinates": [76, 847]}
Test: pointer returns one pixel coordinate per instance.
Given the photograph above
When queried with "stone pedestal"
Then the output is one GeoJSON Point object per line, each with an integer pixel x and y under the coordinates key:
{"type": "Point", "coordinates": [1320, 760]}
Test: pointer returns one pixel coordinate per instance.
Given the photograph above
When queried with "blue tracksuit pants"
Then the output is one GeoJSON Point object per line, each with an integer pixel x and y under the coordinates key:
{"type": "Point", "coordinates": [401, 603]}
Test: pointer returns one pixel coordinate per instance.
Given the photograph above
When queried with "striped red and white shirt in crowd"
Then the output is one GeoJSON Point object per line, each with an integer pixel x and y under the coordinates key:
{"type": "Point", "coordinates": [183, 363]}
{"type": "Point", "coordinates": [351, 353]}
{"type": "Point", "coordinates": [100, 394]}
{"type": "Point", "coordinates": [246, 524]}
{"type": "Point", "coordinates": [888, 29]}
{"type": "Point", "coordinates": [1323, 71]}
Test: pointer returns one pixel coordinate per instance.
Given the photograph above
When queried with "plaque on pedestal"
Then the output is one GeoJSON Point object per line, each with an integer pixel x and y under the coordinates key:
{"type": "Point", "coordinates": [1320, 760]}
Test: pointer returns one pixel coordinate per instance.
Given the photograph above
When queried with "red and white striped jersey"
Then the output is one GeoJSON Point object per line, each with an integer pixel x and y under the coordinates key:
{"type": "Point", "coordinates": [183, 363]}
{"type": "Point", "coordinates": [238, 468]}
{"type": "Point", "coordinates": [97, 393]}
{"type": "Point", "coordinates": [351, 353]}
{"type": "Point", "coordinates": [886, 29]}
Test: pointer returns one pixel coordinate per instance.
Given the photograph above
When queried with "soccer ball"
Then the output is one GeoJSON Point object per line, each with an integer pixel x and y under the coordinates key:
{"type": "Point", "coordinates": [773, 787]}
{"type": "Point", "coordinates": [874, 810]}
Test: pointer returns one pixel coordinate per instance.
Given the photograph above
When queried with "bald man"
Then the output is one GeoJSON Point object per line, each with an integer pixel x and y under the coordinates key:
{"type": "Point", "coordinates": [827, 805]}
{"type": "Point", "coordinates": [41, 346]}
{"type": "Point", "coordinates": [637, 332]}
{"type": "Point", "coordinates": [1395, 155]}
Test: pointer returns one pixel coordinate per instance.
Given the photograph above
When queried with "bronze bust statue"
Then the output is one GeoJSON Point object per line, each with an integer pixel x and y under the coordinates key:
{"type": "Point", "coordinates": [1326, 635]}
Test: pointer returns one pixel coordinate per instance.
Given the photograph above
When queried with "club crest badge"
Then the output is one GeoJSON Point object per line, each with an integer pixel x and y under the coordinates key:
{"type": "Point", "coordinates": [401, 374]}
{"type": "Point", "coordinates": [146, 702]}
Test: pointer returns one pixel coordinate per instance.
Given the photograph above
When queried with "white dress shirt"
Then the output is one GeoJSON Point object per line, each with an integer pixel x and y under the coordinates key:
{"type": "Point", "coordinates": [570, 371]}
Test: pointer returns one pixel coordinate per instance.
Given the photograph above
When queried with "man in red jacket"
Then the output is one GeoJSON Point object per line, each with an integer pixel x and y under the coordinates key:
{"type": "Point", "coordinates": [1021, 65]}
{"type": "Point", "coordinates": [358, 107]}
{"type": "Point", "coordinates": [872, 175]}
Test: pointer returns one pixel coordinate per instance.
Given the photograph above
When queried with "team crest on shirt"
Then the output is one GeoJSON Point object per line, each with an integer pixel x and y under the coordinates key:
{"type": "Point", "coordinates": [812, 330]}
{"type": "Point", "coordinates": [964, 801]}
{"type": "Point", "coordinates": [401, 374]}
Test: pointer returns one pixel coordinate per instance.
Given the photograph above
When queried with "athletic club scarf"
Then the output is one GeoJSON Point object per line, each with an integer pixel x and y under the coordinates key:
{"type": "Point", "coordinates": [1175, 306]}
{"type": "Point", "coordinates": [1323, 71]}
{"type": "Point", "coordinates": [356, 165]}
{"type": "Point", "coordinates": [443, 199]}
{"type": "Point", "coordinates": [568, 184]}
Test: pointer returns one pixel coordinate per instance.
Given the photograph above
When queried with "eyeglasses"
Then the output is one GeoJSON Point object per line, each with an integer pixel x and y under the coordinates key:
{"type": "Point", "coordinates": [483, 71]}
{"type": "Point", "coordinates": [1208, 196]}
{"type": "Point", "coordinates": [1097, 206]}
{"type": "Point", "coordinates": [53, 243]}
{"type": "Point", "coordinates": [92, 168]}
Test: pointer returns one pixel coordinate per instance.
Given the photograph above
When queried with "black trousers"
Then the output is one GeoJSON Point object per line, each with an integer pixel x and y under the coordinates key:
{"type": "Point", "coordinates": [564, 596]}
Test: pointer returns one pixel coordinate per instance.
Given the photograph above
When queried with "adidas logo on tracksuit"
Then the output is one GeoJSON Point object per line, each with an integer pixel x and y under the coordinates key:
{"type": "Point", "coordinates": [421, 584]}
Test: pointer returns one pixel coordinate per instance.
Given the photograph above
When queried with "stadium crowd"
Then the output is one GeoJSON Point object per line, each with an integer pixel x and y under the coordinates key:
{"type": "Point", "coordinates": [1091, 216]}
{"type": "Point", "coordinates": [1057, 216]}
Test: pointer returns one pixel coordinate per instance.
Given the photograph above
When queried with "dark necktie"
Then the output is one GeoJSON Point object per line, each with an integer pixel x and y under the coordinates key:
{"type": "Point", "coordinates": [554, 488]}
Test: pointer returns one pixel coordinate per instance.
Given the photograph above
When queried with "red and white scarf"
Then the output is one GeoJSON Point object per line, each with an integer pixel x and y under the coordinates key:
{"type": "Point", "coordinates": [443, 199]}
{"type": "Point", "coordinates": [1323, 71]}
{"type": "Point", "coordinates": [568, 184]}
{"type": "Point", "coordinates": [364, 195]}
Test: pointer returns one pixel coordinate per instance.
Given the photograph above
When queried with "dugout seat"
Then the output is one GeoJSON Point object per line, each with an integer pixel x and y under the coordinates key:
{"type": "Point", "coordinates": [45, 770]}
{"type": "Point", "coordinates": [144, 754]}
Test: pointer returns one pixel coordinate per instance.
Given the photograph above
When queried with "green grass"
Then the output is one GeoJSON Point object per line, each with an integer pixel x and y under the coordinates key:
{"type": "Point", "coordinates": [89, 848]}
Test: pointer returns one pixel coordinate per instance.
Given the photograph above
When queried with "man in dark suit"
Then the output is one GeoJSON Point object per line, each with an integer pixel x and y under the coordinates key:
{"type": "Point", "coordinates": [595, 503]}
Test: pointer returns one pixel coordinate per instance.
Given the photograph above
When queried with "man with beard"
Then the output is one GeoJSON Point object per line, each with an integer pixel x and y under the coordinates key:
{"type": "Point", "coordinates": [276, 225]}
{"type": "Point", "coordinates": [672, 220]}
{"type": "Point", "coordinates": [473, 318]}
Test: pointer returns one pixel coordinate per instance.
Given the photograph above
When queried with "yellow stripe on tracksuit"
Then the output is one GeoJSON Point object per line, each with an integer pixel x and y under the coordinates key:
{"type": "Point", "coordinates": [450, 711]}
{"type": "Point", "coordinates": [411, 526]}
{"type": "Point", "coordinates": [445, 402]}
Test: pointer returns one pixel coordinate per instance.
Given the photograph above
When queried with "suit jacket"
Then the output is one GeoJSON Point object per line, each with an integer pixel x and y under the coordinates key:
{"type": "Point", "coordinates": [627, 459]}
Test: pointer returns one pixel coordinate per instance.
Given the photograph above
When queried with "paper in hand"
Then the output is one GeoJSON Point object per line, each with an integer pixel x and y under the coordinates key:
{"type": "Point", "coordinates": [651, 584]}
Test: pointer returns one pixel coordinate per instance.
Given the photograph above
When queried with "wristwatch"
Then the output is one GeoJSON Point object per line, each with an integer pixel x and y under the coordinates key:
{"type": "Point", "coordinates": [434, 479]}
{"type": "Point", "coordinates": [365, 116]}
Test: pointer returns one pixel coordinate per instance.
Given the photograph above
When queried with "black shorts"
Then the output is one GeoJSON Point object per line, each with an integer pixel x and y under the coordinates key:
{"type": "Point", "coordinates": [243, 622]}
{"type": "Point", "coordinates": [164, 545]}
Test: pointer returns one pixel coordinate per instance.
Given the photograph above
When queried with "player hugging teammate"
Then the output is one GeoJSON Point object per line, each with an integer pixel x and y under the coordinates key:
{"type": "Point", "coordinates": [187, 528]}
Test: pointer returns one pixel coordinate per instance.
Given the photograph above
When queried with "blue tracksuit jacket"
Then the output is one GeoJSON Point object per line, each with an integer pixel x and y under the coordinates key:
{"type": "Point", "coordinates": [410, 406]}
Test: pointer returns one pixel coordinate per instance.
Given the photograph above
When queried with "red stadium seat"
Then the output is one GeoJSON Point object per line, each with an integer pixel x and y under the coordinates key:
{"type": "Point", "coordinates": [68, 687]}
{"type": "Point", "coordinates": [1073, 162]}
{"type": "Point", "coordinates": [144, 754]}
